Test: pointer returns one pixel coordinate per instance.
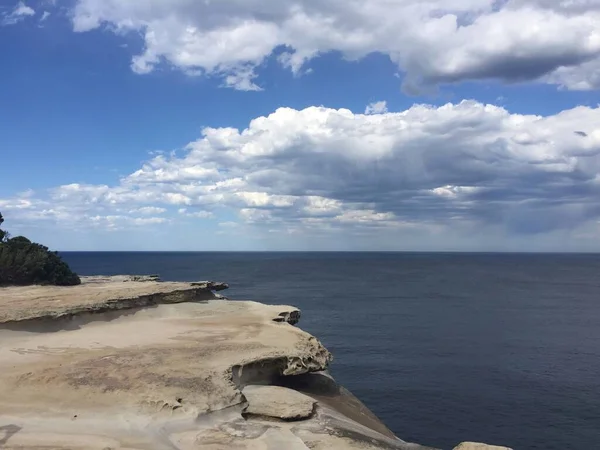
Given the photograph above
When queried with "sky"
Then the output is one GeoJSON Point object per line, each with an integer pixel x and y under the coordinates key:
{"type": "Point", "coordinates": [411, 125]}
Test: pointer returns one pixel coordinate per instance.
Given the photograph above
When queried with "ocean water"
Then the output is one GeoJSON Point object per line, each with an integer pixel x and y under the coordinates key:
{"type": "Point", "coordinates": [498, 348]}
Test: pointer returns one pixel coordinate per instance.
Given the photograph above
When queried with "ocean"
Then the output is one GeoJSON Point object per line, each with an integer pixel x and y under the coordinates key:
{"type": "Point", "coordinates": [443, 348]}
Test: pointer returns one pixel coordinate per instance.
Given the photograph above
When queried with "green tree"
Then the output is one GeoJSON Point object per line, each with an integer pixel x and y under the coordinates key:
{"type": "Point", "coordinates": [23, 262]}
{"type": "Point", "coordinates": [3, 234]}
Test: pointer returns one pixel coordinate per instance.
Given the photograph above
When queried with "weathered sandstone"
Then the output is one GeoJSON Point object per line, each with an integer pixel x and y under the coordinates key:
{"type": "Point", "coordinates": [134, 363]}
{"type": "Point", "coordinates": [479, 446]}
{"type": "Point", "coordinates": [97, 294]}
{"type": "Point", "coordinates": [278, 402]}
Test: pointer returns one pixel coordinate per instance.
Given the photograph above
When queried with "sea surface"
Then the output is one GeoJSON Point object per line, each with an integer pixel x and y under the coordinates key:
{"type": "Point", "coordinates": [497, 348]}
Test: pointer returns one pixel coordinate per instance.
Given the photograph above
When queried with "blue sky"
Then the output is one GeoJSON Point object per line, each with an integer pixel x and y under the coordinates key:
{"type": "Point", "coordinates": [243, 125]}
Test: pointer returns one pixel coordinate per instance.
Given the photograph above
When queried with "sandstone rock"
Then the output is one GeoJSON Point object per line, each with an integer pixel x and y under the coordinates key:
{"type": "Point", "coordinates": [211, 285]}
{"type": "Point", "coordinates": [478, 446]}
{"type": "Point", "coordinates": [143, 278]}
{"type": "Point", "coordinates": [97, 294]}
{"type": "Point", "coordinates": [291, 317]}
{"type": "Point", "coordinates": [278, 402]}
{"type": "Point", "coordinates": [137, 365]}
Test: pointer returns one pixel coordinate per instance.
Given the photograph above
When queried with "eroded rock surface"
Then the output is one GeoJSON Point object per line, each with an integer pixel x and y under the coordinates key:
{"type": "Point", "coordinates": [279, 402]}
{"type": "Point", "coordinates": [163, 365]}
{"type": "Point", "coordinates": [479, 446]}
{"type": "Point", "coordinates": [98, 294]}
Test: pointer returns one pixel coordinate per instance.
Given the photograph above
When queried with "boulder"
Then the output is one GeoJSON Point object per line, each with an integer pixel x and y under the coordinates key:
{"type": "Point", "coordinates": [278, 402]}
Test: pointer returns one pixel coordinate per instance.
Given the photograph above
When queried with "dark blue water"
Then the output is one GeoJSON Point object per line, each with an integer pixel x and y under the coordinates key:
{"type": "Point", "coordinates": [503, 349]}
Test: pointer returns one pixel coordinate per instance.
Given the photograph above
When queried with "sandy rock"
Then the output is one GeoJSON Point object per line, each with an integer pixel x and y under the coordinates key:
{"type": "Point", "coordinates": [478, 446]}
{"type": "Point", "coordinates": [291, 317]}
{"type": "Point", "coordinates": [118, 363]}
{"type": "Point", "coordinates": [210, 285]}
{"type": "Point", "coordinates": [98, 294]}
{"type": "Point", "coordinates": [144, 278]}
{"type": "Point", "coordinates": [278, 402]}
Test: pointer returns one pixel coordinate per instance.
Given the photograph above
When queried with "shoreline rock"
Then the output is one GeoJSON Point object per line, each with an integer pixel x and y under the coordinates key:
{"type": "Point", "coordinates": [98, 294]}
{"type": "Point", "coordinates": [278, 402]}
{"type": "Point", "coordinates": [131, 362]}
{"type": "Point", "coordinates": [479, 446]}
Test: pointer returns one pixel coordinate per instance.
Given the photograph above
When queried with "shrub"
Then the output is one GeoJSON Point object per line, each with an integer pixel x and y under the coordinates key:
{"type": "Point", "coordinates": [23, 262]}
{"type": "Point", "coordinates": [3, 234]}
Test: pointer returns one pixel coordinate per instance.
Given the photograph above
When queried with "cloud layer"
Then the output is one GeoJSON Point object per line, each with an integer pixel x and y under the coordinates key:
{"type": "Point", "coordinates": [433, 41]}
{"type": "Point", "coordinates": [19, 13]}
{"type": "Point", "coordinates": [455, 168]}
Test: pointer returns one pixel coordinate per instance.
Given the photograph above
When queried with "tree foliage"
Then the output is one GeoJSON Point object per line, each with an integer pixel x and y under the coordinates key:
{"type": "Point", "coordinates": [3, 234]}
{"type": "Point", "coordinates": [23, 262]}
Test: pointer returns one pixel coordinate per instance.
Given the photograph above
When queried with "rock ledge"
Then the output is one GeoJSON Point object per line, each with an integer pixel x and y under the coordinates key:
{"type": "Point", "coordinates": [135, 363]}
{"type": "Point", "coordinates": [98, 294]}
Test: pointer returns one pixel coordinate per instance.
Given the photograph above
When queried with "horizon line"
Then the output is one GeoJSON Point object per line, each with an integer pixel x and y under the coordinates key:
{"type": "Point", "coordinates": [538, 252]}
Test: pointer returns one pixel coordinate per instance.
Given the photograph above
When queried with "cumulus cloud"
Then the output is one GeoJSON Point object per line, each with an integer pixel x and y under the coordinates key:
{"type": "Point", "coordinates": [148, 210]}
{"type": "Point", "coordinates": [80, 207]}
{"type": "Point", "coordinates": [18, 14]}
{"type": "Point", "coordinates": [196, 214]}
{"type": "Point", "coordinates": [433, 42]}
{"type": "Point", "coordinates": [117, 223]}
{"type": "Point", "coordinates": [459, 167]}
{"type": "Point", "coordinates": [376, 108]}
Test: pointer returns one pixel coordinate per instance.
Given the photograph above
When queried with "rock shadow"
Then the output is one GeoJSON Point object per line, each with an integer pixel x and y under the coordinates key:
{"type": "Point", "coordinates": [8, 431]}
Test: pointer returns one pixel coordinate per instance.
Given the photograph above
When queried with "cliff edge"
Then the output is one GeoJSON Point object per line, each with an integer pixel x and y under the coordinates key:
{"type": "Point", "coordinates": [122, 362]}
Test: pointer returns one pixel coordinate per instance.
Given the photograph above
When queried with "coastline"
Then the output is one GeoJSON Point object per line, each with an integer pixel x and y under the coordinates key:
{"type": "Point", "coordinates": [124, 363]}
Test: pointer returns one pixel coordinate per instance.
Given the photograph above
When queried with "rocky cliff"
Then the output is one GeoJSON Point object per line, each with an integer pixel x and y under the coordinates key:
{"type": "Point", "coordinates": [121, 362]}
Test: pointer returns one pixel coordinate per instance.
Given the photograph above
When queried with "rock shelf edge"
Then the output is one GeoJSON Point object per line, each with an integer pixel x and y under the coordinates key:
{"type": "Point", "coordinates": [132, 362]}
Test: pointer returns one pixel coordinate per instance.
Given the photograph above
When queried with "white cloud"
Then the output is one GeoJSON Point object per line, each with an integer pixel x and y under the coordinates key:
{"type": "Point", "coordinates": [256, 215]}
{"type": "Point", "coordinates": [584, 77]}
{"type": "Point", "coordinates": [197, 214]}
{"type": "Point", "coordinates": [376, 108]}
{"type": "Point", "coordinates": [449, 169]}
{"type": "Point", "coordinates": [262, 199]}
{"type": "Point", "coordinates": [202, 214]}
{"type": "Point", "coordinates": [116, 223]}
{"type": "Point", "coordinates": [45, 16]}
{"type": "Point", "coordinates": [18, 14]}
{"type": "Point", "coordinates": [365, 216]}
{"type": "Point", "coordinates": [241, 79]}
{"type": "Point", "coordinates": [433, 42]}
{"type": "Point", "coordinates": [16, 203]}
{"type": "Point", "coordinates": [148, 210]}
{"type": "Point", "coordinates": [71, 213]}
